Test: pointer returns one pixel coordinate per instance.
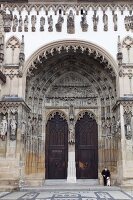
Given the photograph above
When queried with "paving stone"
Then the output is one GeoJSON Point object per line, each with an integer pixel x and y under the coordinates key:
{"type": "Point", "coordinates": [68, 195]}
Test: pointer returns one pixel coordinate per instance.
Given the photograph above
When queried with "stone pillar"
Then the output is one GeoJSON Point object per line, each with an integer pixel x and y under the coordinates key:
{"type": "Point", "coordinates": [71, 170]}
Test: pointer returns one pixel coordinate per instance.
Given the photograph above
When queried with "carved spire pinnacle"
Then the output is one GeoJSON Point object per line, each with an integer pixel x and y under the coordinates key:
{"type": "Point", "coordinates": [22, 45]}
{"type": "Point", "coordinates": [21, 57]}
{"type": "Point", "coordinates": [119, 54]}
{"type": "Point", "coordinates": [1, 37]}
{"type": "Point", "coordinates": [119, 44]}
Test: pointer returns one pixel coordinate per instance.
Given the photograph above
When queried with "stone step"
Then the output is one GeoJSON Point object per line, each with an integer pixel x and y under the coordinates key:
{"type": "Point", "coordinates": [8, 188]}
{"type": "Point", "coordinates": [63, 185]}
{"type": "Point", "coordinates": [72, 188]}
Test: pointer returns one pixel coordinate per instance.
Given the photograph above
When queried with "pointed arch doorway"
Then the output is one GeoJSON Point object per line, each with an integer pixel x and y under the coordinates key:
{"type": "Point", "coordinates": [86, 147]}
{"type": "Point", "coordinates": [56, 147]}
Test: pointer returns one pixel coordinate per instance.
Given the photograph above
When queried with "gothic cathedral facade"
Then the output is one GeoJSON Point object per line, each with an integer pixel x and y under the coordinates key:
{"type": "Point", "coordinates": [66, 91]}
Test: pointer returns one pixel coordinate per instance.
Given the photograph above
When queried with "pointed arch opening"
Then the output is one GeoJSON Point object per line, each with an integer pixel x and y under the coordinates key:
{"type": "Point", "coordinates": [56, 147]}
{"type": "Point", "coordinates": [86, 147]}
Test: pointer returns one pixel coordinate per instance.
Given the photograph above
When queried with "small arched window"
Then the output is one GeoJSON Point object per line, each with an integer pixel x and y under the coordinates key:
{"type": "Point", "coordinates": [12, 51]}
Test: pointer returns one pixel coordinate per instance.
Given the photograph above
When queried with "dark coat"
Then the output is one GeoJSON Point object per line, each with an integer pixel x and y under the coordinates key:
{"type": "Point", "coordinates": [106, 173]}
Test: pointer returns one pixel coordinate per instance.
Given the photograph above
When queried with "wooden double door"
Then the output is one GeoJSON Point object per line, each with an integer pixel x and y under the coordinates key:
{"type": "Point", "coordinates": [86, 148]}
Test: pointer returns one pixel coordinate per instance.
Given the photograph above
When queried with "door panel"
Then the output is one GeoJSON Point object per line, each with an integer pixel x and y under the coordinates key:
{"type": "Point", "coordinates": [56, 148]}
{"type": "Point", "coordinates": [86, 148]}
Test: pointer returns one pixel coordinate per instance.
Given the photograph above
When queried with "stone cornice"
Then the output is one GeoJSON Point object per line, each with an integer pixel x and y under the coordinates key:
{"type": "Point", "coordinates": [125, 101]}
{"type": "Point", "coordinates": [64, 5]}
{"type": "Point", "coordinates": [65, 1]}
{"type": "Point", "coordinates": [12, 101]}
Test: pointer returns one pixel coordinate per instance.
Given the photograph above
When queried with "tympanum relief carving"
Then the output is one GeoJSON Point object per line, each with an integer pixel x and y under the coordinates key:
{"type": "Point", "coordinates": [71, 89]}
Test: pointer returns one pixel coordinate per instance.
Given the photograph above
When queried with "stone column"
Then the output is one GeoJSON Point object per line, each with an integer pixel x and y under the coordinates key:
{"type": "Point", "coordinates": [71, 170]}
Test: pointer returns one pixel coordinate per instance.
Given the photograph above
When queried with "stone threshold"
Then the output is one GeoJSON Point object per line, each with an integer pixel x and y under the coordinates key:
{"type": "Point", "coordinates": [63, 185]}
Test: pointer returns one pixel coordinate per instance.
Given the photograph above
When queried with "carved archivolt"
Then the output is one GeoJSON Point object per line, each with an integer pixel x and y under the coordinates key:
{"type": "Point", "coordinates": [61, 78]}
{"type": "Point", "coordinates": [60, 81]}
{"type": "Point", "coordinates": [83, 112]}
{"type": "Point", "coordinates": [54, 112]}
{"type": "Point", "coordinates": [58, 47]}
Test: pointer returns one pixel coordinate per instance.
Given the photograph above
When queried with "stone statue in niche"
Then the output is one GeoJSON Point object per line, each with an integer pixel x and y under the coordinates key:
{"type": "Point", "coordinates": [20, 24]}
{"type": "Point", "coordinates": [33, 23]}
{"type": "Point", "coordinates": [107, 127]}
{"type": "Point", "coordinates": [23, 127]}
{"type": "Point", "coordinates": [70, 23]}
{"type": "Point", "coordinates": [7, 18]}
{"type": "Point", "coordinates": [13, 128]}
{"type": "Point", "coordinates": [34, 126]}
{"type": "Point", "coordinates": [50, 23]}
{"type": "Point", "coordinates": [105, 22]}
{"type": "Point", "coordinates": [95, 21]}
{"type": "Point", "coordinates": [71, 136]}
{"type": "Point", "coordinates": [58, 26]}
{"type": "Point", "coordinates": [83, 23]}
{"type": "Point", "coordinates": [15, 23]}
{"type": "Point", "coordinates": [113, 126]}
{"type": "Point", "coordinates": [30, 128]}
{"type": "Point", "coordinates": [26, 22]}
{"type": "Point", "coordinates": [3, 128]}
{"type": "Point", "coordinates": [42, 23]}
{"type": "Point", "coordinates": [128, 129]}
{"type": "Point", "coordinates": [115, 20]}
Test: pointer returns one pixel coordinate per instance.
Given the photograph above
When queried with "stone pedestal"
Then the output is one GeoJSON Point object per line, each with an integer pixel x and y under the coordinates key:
{"type": "Point", "coordinates": [71, 170]}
